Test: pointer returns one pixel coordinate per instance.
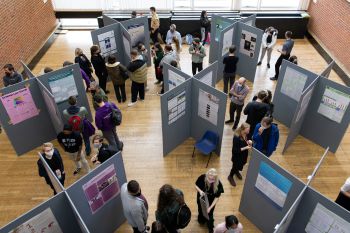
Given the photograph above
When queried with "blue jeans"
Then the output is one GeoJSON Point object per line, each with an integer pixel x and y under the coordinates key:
{"type": "Point", "coordinates": [87, 145]}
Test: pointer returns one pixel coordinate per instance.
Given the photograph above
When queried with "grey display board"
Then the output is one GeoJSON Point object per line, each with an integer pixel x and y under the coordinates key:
{"type": "Point", "coordinates": [259, 209]}
{"type": "Point", "coordinates": [173, 82]}
{"type": "Point", "coordinates": [82, 99]}
{"type": "Point", "coordinates": [61, 209]}
{"type": "Point", "coordinates": [108, 20]}
{"type": "Point", "coordinates": [27, 71]}
{"type": "Point", "coordinates": [309, 201]}
{"type": "Point", "coordinates": [176, 115]}
{"type": "Point", "coordinates": [218, 23]}
{"type": "Point", "coordinates": [328, 70]}
{"type": "Point", "coordinates": [208, 75]}
{"type": "Point", "coordinates": [320, 129]}
{"type": "Point", "coordinates": [285, 106]}
{"type": "Point", "coordinates": [41, 124]}
{"type": "Point", "coordinates": [249, 20]}
{"type": "Point", "coordinates": [136, 22]}
{"type": "Point", "coordinates": [77, 215]}
{"type": "Point", "coordinates": [126, 40]}
{"type": "Point", "coordinates": [199, 125]}
{"type": "Point", "coordinates": [100, 221]}
{"type": "Point", "coordinates": [300, 114]}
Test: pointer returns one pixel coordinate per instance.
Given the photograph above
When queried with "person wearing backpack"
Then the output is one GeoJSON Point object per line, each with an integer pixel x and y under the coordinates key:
{"type": "Point", "coordinates": [75, 116]}
{"type": "Point", "coordinates": [104, 121]}
{"type": "Point", "coordinates": [208, 184]}
{"type": "Point", "coordinates": [172, 211]}
{"type": "Point", "coordinates": [72, 143]}
{"type": "Point", "coordinates": [117, 73]}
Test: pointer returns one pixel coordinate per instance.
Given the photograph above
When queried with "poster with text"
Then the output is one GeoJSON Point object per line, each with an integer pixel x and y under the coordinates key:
{"type": "Point", "coordinates": [174, 79]}
{"type": "Point", "coordinates": [63, 86]}
{"type": "Point", "coordinates": [19, 105]}
{"type": "Point", "coordinates": [272, 185]}
{"type": "Point", "coordinates": [227, 41]}
{"type": "Point", "coordinates": [137, 34]}
{"type": "Point", "coordinates": [176, 107]}
{"type": "Point", "coordinates": [102, 188]}
{"type": "Point", "coordinates": [207, 79]}
{"type": "Point", "coordinates": [44, 222]}
{"type": "Point", "coordinates": [107, 43]}
{"type": "Point", "coordinates": [304, 104]}
{"type": "Point", "coordinates": [208, 107]}
{"type": "Point", "coordinates": [334, 104]}
{"type": "Point", "coordinates": [126, 46]}
{"type": "Point", "coordinates": [325, 221]}
{"type": "Point", "coordinates": [248, 43]}
{"type": "Point", "coordinates": [293, 83]}
{"type": "Point", "coordinates": [220, 26]}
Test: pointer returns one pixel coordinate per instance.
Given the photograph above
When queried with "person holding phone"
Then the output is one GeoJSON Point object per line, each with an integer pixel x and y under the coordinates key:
{"type": "Point", "coordinates": [266, 136]}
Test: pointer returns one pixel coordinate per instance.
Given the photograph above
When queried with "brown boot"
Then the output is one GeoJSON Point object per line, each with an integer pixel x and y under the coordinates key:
{"type": "Point", "coordinates": [231, 180]}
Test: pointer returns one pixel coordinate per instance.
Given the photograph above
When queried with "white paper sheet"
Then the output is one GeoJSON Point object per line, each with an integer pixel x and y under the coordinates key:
{"type": "Point", "coordinates": [107, 43]}
{"type": "Point", "coordinates": [174, 79]}
{"type": "Point", "coordinates": [176, 107]}
{"type": "Point", "coordinates": [137, 33]}
{"type": "Point", "coordinates": [248, 43]}
{"type": "Point", "coordinates": [63, 86]}
{"type": "Point", "coordinates": [227, 41]}
{"type": "Point", "coordinates": [208, 106]}
{"type": "Point", "coordinates": [208, 78]}
{"type": "Point", "coordinates": [293, 83]}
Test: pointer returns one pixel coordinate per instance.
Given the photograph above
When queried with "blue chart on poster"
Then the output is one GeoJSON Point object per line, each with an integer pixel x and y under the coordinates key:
{"type": "Point", "coordinates": [272, 185]}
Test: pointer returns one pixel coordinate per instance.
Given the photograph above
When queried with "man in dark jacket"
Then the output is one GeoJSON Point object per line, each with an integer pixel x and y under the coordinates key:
{"type": "Point", "coordinates": [11, 76]}
{"type": "Point", "coordinates": [266, 136]}
{"type": "Point", "coordinates": [105, 151]}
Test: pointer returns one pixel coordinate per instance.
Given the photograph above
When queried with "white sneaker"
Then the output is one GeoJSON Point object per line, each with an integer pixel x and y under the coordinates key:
{"type": "Point", "coordinates": [131, 104]}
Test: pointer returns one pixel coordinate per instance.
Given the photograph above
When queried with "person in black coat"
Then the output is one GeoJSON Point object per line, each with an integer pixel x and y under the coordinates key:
{"type": "Point", "coordinates": [100, 66]}
{"type": "Point", "coordinates": [83, 62]}
{"type": "Point", "coordinates": [240, 148]}
{"type": "Point", "coordinates": [205, 26]}
{"type": "Point", "coordinates": [105, 151]}
{"type": "Point", "coordinates": [54, 160]}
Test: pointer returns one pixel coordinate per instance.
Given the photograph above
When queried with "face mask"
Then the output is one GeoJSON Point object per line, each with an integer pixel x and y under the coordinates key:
{"type": "Point", "coordinates": [97, 146]}
{"type": "Point", "coordinates": [49, 154]}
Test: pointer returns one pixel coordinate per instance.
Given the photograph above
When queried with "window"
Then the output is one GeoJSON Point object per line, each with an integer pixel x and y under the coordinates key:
{"type": "Point", "coordinates": [273, 4]}
{"type": "Point", "coordinates": [250, 4]}
{"type": "Point", "coordinates": [210, 4]}
{"type": "Point", "coordinates": [182, 4]}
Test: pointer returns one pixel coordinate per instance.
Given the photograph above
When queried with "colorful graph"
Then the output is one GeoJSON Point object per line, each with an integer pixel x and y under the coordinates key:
{"type": "Point", "coordinates": [18, 101]}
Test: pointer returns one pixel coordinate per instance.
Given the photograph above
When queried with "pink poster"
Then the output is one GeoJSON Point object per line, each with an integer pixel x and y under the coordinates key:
{"type": "Point", "coordinates": [19, 105]}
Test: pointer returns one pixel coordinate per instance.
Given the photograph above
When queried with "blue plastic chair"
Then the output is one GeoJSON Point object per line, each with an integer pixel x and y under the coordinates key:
{"type": "Point", "coordinates": [207, 144]}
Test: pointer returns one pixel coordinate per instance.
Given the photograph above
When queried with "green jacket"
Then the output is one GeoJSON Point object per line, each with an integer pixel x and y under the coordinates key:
{"type": "Point", "coordinates": [197, 57]}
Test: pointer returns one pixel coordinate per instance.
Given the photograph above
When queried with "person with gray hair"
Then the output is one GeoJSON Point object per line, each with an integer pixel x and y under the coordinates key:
{"type": "Point", "coordinates": [171, 34]}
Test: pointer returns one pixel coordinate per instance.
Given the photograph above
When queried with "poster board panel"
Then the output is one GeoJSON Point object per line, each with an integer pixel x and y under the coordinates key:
{"type": "Point", "coordinates": [126, 45]}
{"type": "Point", "coordinates": [173, 77]}
{"type": "Point", "coordinates": [285, 106]}
{"type": "Point", "coordinates": [208, 111]}
{"type": "Point", "coordinates": [108, 20]}
{"type": "Point", "coordinates": [80, 220]}
{"type": "Point", "coordinates": [40, 123]}
{"type": "Point", "coordinates": [249, 20]}
{"type": "Point", "coordinates": [108, 204]}
{"type": "Point", "coordinates": [328, 70]}
{"type": "Point", "coordinates": [208, 75]}
{"type": "Point", "coordinates": [27, 71]}
{"type": "Point", "coordinates": [317, 127]}
{"type": "Point", "coordinates": [42, 216]}
{"type": "Point", "coordinates": [255, 205]}
{"type": "Point", "coordinates": [176, 115]}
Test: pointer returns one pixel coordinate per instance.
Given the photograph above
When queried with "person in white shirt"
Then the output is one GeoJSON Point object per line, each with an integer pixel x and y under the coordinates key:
{"type": "Point", "coordinates": [173, 33]}
{"type": "Point", "coordinates": [268, 41]}
{"type": "Point", "coordinates": [231, 225]}
{"type": "Point", "coordinates": [343, 198]}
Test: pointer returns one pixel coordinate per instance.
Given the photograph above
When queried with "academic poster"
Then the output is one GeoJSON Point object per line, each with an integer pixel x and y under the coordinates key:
{"type": "Point", "coordinates": [227, 41]}
{"type": "Point", "coordinates": [220, 26]}
{"type": "Point", "coordinates": [208, 107]}
{"type": "Point", "coordinates": [137, 34]}
{"type": "Point", "coordinates": [248, 43]}
{"type": "Point", "coordinates": [174, 79]}
{"type": "Point", "coordinates": [63, 86]}
{"type": "Point", "coordinates": [19, 105]}
{"type": "Point", "coordinates": [107, 43]}
{"type": "Point", "coordinates": [293, 83]}
{"type": "Point", "coordinates": [176, 107]}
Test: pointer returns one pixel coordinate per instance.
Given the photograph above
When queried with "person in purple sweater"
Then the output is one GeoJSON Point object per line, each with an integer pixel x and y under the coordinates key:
{"type": "Point", "coordinates": [103, 121]}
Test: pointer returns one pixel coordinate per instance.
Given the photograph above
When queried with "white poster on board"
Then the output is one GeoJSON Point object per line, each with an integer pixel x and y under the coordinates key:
{"type": "Point", "coordinates": [227, 41]}
{"type": "Point", "coordinates": [42, 222]}
{"type": "Point", "coordinates": [208, 106]}
{"type": "Point", "coordinates": [334, 104]}
{"type": "Point", "coordinates": [137, 34]}
{"type": "Point", "coordinates": [304, 104]}
{"type": "Point", "coordinates": [293, 83]}
{"type": "Point", "coordinates": [323, 221]}
{"type": "Point", "coordinates": [176, 107]}
{"type": "Point", "coordinates": [63, 86]}
{"type": "Point", "coordinates": [126, 46]}
{"type": "Point", "coordinates": [208, 78]}
{"type": "Point", "coordinates": [174, 79]}
{"type": "Point", "coordinates": [107, 43]}
{"type": "Point", "coordinates": [248, 43]}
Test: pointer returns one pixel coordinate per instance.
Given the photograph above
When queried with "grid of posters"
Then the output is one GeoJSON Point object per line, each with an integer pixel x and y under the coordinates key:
{"type": "Point", "coordinates": [248, 43]}
{"type": "Point", "coordinates": [293, 83]}
{"type": "Point", "coordinates": [272, 185]}
{"type": "Point", "coordinates": [208, 78]}
{"type": "Point", "coordinates": [63, 86]}
{"type": "Point", "coordinates": [304, 104]}
{"type": "Point", "coordinates": [176, 107]}
{"type": "Point", "coordinates": [174, 79]}
{"type": "Point", "coordinates": [44, 222]}
{"type": "Point", "coordinates": [334, 104]}
{"type": "Point", "coordinates": [323, 221]}
{"type": "Point", "coordinates": [107, 43]}
{"type": "Point", "coordinates": [221, 25]}
{"type": "Point", "coordinates": [102, 188]}
{"type": "Point", "coordinates": [126, 43]}
{"type": "Point", "coordinates": [208, 106]}
{"type": "Point", "coordinates": [137, 34]}
{"type": "Point", "coordinates": [19, 105]}
{"type": "Point", "coordinates": [227, 41]}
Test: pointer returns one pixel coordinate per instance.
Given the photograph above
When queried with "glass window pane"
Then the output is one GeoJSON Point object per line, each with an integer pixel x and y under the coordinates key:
{"type": "Point", "coordinates": [181, 4]}
{"type": "Point", "coordinates": [251, 4]}
{"type": "Point", "coordinates": [280, 4]}
{"type": "Point", "coordinates": [210, 4]}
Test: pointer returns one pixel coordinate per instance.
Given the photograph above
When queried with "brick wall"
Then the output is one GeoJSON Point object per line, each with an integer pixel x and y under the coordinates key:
{"type": "Point", "coordinates": [330, 24]}
{"type": "Point", "coordinates": [24, 27]}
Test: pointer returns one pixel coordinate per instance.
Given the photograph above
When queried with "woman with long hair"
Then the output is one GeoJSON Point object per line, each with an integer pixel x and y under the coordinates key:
{"type": "Point", "coordinates": [268, 42]}
{"type": "Point", "coordinates": [208, 184]}
{"type": "Point", "coordinates": [157, 53]}
{"type": "Point", "coordinates": [205, 26]}
{"type": "Point", "coordinates": [240, 148]}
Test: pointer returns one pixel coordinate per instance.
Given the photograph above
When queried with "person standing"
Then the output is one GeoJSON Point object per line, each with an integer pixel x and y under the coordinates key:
{"type": "Point", "coordinates": [266, 136]}
{"type": "Point", "coordinates": [100, 67]}
{"type": "Point", "coordinates": [231, 225]}
{"type": "Point", "coordinates": [72, 144]}
{"type": "Point", "coordinates": [240, 148]}
{"type": "Point", "coordinates": [133, 14]}
{"type": "Point", "coordinates": [11, 76]}
{"type": "Point", "coordinates": [117, 73]}
{"type": "Point", "coordinates": [198, 53]}
{"type": "Point", "coordinates": [343, 198]}
{"type": "Point", "coordinates": [103, 120]}
{"type": "Point", "coordinates": [158, 54]}
{"type": "Point", "coordinates": [173, 33]}
{"type": "Point", "coordinates": [54, 160]}
{"type": "Point", "coordinates": [138, 76]}
{"type": "Point", "coordinates": [83, 62]}
{"type": "Point", "coordinates": [230, 63]}
{"type": "Point", "coordinates": [155, 24]}
{"type": "Point", "coordinates": [135, 206]}
{"type": "Point", "coordinates": [104, 151]}
{"type": "Point", "coordinates": [205, 26]}
{"type": "Point", "coordinates": [269, 40]}
{"type": "Point", "coordinates": [285, 53]}
{"type": "Point", "coordinates": [210, 185]}
{"type": "Point", "coordinates": [239, 92]}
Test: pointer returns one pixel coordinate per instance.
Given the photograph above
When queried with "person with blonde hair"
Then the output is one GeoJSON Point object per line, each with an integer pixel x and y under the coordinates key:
{"type": "Point", "coordinates": [240, 148]}
{"type": "Point", "coordinates": [208, 184]}
{"type": "Point", "coordinates": [83, 62]}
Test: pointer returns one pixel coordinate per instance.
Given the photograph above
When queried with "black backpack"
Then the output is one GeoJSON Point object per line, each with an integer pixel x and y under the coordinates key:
{"type": "Point", "coordinates": [183, 216]}
{"type": "Point", "coordinates": [116, 116]}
